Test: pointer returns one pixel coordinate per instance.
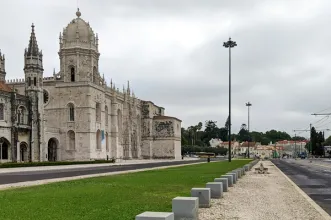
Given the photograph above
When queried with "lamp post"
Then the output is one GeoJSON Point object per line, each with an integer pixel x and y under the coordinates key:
{"type": "Point", "coordinates": [248, 104]}
{"type": "Point", "coordinates": [1, 142]}
{"type": "Point", "coordinates": [229, 44]}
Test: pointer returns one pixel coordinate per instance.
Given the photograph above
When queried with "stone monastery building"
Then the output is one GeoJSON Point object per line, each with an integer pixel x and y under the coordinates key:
{"type": "Point", "coordinates": [75, 115]}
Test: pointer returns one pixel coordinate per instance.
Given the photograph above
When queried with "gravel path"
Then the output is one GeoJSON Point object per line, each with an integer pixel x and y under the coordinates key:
{"type": "Point", "coordinates": [261, 196]}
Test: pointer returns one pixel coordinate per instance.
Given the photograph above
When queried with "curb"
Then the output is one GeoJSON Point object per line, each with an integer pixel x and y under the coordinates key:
{"type": "Point", "coordinates": [318, 208]}
{"type": "Point", "coordinates": [187, 207]}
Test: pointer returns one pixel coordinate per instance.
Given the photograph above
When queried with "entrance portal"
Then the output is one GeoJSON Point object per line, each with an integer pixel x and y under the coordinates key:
{"type": "Point", "coordinates": [52, 149]}
{"type": "Point", "coordinates": [23, 151]}
{"type": "Point", "coordinates": [4, 151]}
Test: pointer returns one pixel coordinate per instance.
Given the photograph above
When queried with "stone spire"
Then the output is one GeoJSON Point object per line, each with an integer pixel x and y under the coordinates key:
{"type": "Point", "coordinates": [33, 65]}
{"type": "Point", "coordinates": [128, 89]}
{"type": "Point", "coordinates": [2, 68]}
{"type": "Point", "coordinates": [33, 45]}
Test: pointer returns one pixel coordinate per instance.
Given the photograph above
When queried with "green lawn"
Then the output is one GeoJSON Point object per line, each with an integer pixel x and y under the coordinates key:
{"type": "Point", "coordinates": [115, 197]}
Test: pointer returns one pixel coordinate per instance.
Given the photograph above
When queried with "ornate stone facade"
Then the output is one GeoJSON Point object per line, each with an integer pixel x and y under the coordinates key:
{"type": "Point", "coordinates": [75, 115]}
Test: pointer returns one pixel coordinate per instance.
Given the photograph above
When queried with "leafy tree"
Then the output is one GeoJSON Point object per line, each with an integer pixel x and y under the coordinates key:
{"type": "Point", "coordinates": [243, 134]}
{"type": "Point", "coordinates": [298, 138]}
{"type": "Point", "coordinates": [327, 142]}
{"type": "Point", "coordinates": [313, 141]}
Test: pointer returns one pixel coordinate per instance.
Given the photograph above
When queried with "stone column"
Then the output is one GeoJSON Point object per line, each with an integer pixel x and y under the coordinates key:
{"type": "Point", "coordinates": [113, 130]}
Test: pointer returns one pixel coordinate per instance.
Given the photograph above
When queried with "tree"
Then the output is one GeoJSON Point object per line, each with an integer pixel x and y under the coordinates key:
{"type": "Point", "coordinates": [243, 134]}
{"type": "Point", "coordinates": [257, 136]}
{"type": "Point", "coordinates": [313, 141]}
{"type": "Point", "coordinates": [275, 136]}
{"type": "Point", "coordinates": [298, 138]}
{"type": "Point", "coordinates": [265, 141]}
{"type": "Point", "coordinates": [327, 142]}
{"type": "Point", "coordinates": [319, 144]}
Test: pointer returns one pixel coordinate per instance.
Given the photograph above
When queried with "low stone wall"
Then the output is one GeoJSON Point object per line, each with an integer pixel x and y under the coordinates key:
{"type": "Point", "coordinates": [187, 207]}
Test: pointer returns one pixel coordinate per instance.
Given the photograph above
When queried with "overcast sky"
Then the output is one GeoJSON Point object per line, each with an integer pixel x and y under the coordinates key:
{"type": "Point", "coordinates": [172, 52]}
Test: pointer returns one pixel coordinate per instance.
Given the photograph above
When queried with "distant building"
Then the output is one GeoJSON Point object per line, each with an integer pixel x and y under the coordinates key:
{"type": "Point", "coordinates": [215, 142]}
{"type": "Point", "coordinates": [290, 147]}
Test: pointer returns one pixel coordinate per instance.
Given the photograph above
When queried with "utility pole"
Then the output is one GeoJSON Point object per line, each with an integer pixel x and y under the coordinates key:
{"type": "Point", "coordinates": [248, 104]}
{"type": "Point", "coordinates": [295, 145]}
{"type": "Point", "coordinates": [229, 44]}
{"type": "Point", "coordinates": [310, 144]}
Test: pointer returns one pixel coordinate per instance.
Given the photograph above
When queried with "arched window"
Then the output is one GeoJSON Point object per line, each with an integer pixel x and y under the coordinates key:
{"type": "Point", "coordinates": [2, 111]}
{"type": "Point", "coordinates": [72, 74]}
{"type": "Point", "coordinates": [35, 81]}
{"type": "Point", "coordinates": [98, 139]}
{"type": "Point", "coordinates": [72, 140]}
{"type": "Point", "coordinates": [98, 112]}
{"type": "Point", "coordinates": [22, 116]}
{"type": "Point", "coordinates": [106, 116]}
{"type": "Point", "coordinates": [29, 81]}
{"type": "Point", "coordinates": [71, 109]}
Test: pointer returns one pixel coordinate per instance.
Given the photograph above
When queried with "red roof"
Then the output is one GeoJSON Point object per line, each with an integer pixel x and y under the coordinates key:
{"type": "Point", "coordinates": [4, 87]}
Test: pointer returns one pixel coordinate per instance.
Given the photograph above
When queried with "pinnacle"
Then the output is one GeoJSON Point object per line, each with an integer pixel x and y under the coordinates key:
{"type": "Point", "coordinates": [33, 49]}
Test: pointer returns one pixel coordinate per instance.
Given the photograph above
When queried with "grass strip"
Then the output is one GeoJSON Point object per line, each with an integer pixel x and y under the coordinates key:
{"type": "Point", "coordinates": [114, 197]}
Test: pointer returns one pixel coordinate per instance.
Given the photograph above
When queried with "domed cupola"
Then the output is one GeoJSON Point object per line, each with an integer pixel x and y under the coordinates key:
{"type": "Point", "coordinates": [78, 33]}
{"type": "Point", "coordinates": [79, 54]}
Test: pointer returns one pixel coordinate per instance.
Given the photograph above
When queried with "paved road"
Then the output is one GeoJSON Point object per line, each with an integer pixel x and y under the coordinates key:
{"type": "Point", "coordinates": [16, 177]}
{"type": "Point", "coordinates": [313, 178]}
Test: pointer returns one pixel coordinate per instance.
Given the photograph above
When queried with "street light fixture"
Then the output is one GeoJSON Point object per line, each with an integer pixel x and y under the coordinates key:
{"type": "Point", "coordinates": [248, 104]}
{"type": "Point", "coordinates": [229, 44]}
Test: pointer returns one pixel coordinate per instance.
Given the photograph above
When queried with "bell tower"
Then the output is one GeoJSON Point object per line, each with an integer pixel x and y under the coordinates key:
{"type": "Point", "coordinates": [79, 52]}
{"type": "Point", "coordinates": [2, 68]}
{"type": "Point", "coordinates": [33, 70]}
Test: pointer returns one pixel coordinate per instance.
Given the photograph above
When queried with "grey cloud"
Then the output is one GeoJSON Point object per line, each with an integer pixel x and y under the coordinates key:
{"type": "Point", "coordinates": [280, 65]}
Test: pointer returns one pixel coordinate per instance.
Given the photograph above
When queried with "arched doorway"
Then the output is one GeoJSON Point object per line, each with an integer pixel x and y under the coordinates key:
{"type": "Point", "coordinates": [52, 149]}
{"type": "Point", "coordinates": [23, 152]}
{"type": "Point", "coordinates": [4, 151]}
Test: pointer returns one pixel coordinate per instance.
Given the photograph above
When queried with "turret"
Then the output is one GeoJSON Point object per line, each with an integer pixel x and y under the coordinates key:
{"type": "Point", "coordinates": [33, 64]}
{"type": "Point", "coordinates": [2, 68]}
{"type": "Point", "coordinates": [33, 70]}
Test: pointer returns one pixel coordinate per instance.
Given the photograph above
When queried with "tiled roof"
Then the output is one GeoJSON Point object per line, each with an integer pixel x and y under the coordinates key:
{"type": "Point", "coordinates": [290, 142]}
{"type": "Point", "coordinates": [245, 144]}
{"type": "Point", "coordinates": [4, 87]}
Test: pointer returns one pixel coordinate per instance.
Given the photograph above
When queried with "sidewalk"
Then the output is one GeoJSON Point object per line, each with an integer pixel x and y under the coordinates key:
{"type": "Point", "coordinates": [262, 197]}
{"type": "Point", "coordinates": [61, 167]}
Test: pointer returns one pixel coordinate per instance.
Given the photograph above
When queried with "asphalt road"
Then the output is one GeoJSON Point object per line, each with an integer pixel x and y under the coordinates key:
{"type": "Point", "coordinates": [16, 177]}
{"type": "Point", "coordinates": [313, 178]}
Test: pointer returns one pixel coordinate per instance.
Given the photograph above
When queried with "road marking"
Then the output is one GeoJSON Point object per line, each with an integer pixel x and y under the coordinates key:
{"type": "Point", "coordinates": [309, 200]}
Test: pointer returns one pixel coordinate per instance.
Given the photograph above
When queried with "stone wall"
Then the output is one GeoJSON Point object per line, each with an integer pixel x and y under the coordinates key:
{"type": "Point", "coordinates": [166, 137]}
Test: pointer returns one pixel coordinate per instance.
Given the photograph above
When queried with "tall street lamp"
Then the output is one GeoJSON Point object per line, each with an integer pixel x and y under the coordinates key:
{"type": "Point", "coordinates": [248, 104]}
{"type": "Point", "coordinates": [229, 44]}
